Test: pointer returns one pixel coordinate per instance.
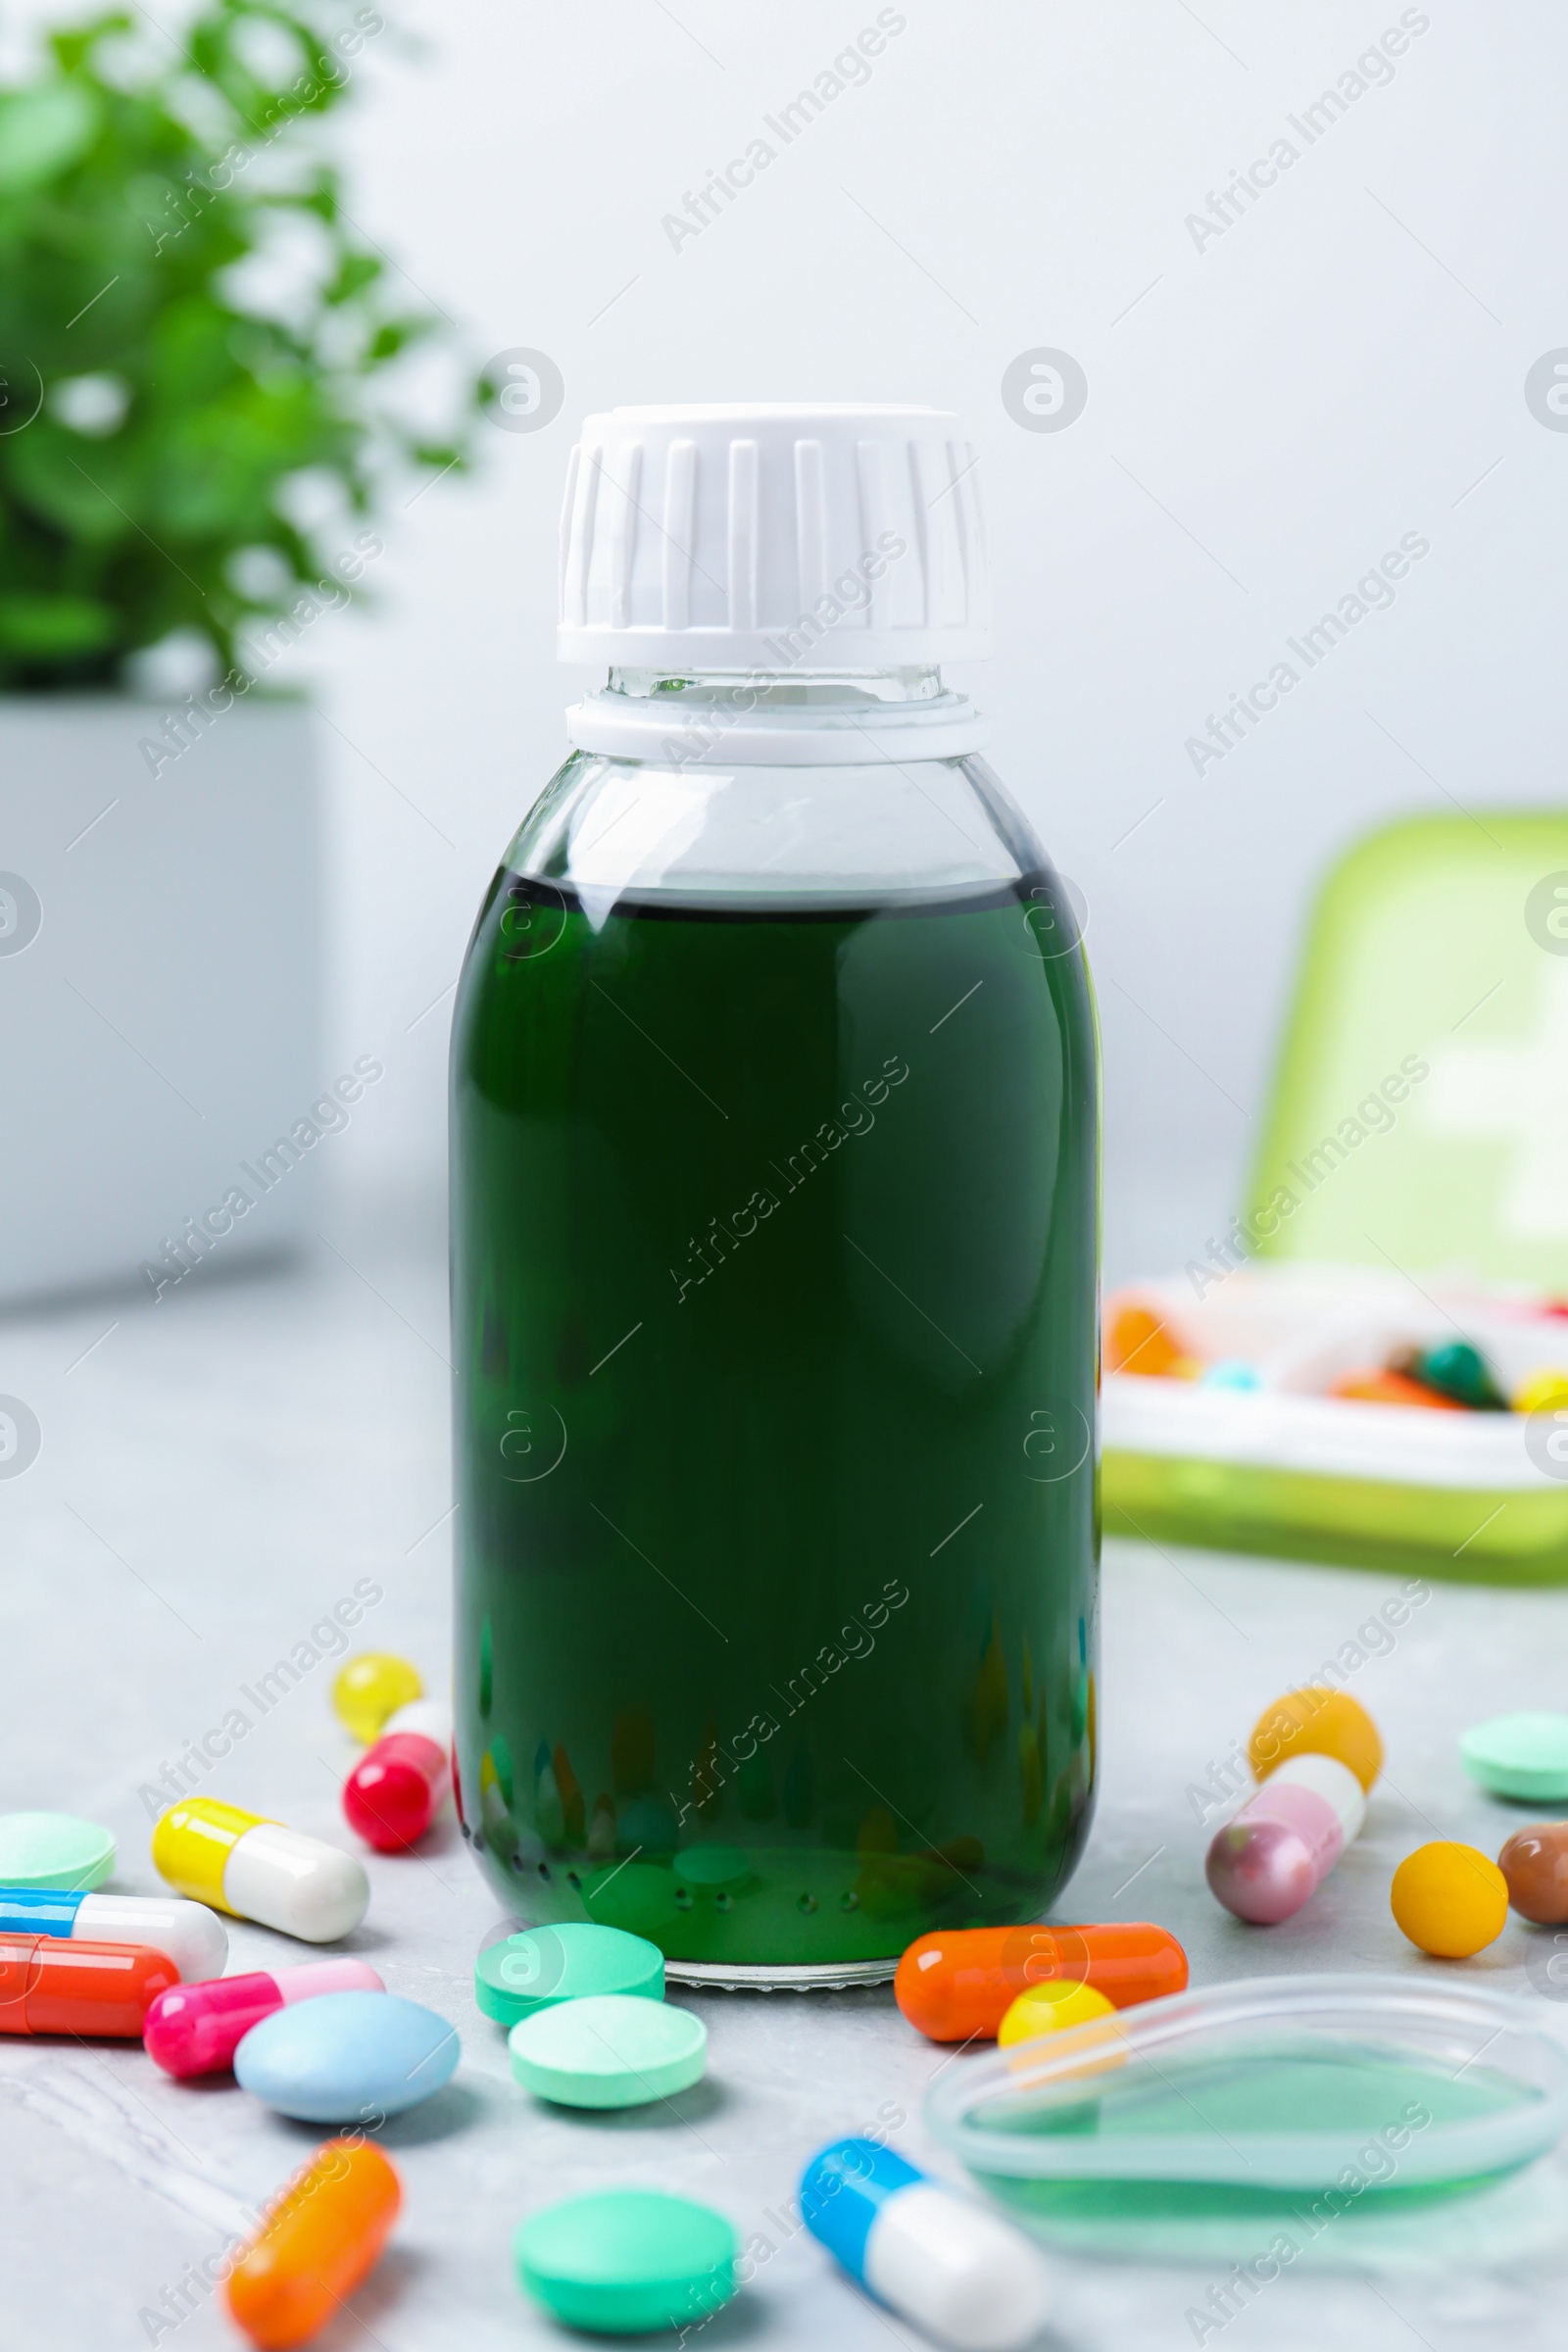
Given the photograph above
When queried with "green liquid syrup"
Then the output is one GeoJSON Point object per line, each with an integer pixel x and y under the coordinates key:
{"type": "Point", "coordinates": [1356, 2097]}
{"type": "Point", "coordinates": [774, 1242]}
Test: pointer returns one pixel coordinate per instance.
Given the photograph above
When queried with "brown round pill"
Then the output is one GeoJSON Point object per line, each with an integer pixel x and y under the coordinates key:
{"type": "Point", "coordinates": [1535, 1863]}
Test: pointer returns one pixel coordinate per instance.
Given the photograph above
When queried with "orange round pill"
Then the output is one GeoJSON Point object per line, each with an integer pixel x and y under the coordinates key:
{"type": "Point", "coordinates": [1450, 1899]}
{"type": "Point", "coordinates": [1138, 1340]}
{"type": "Point", "coordinates": [317, 2242]}
{"type": "Point", "coordinates": [1317, 1722]}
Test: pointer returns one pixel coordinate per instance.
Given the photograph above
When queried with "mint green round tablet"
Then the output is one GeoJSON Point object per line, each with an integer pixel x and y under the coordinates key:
{"type": "Point", "coordinates": [608, 2049]}
{"type": "Point", "coordinates": [526, 1973]}
{"type": "Point", "coordinates": [1519, 1755]}
{"type": "Point", "coordinates": [55, 1850]}
{"type": "Point", "coordinates": [627, 2259]}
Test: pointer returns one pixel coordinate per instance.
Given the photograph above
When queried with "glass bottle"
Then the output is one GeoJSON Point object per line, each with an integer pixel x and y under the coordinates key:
{"type": "Point", "coordinates": [774, 1241]}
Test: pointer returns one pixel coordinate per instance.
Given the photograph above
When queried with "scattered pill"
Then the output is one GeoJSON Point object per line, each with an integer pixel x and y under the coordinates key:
{"type": "Point", "coordinates": [196, 2028]}
{"type": "Point", "coordinates": [628, 2260]}
{"type": "Point", "coordinates": [1458, 1370]}
{"type": "Point", "coordinates": [347, 2057]}
{"type": "Point", "coordinates": [1316, 1722]}
{"type": "Point", "coordinates": [318, 2242]}
{"type": "Point", "coordinates": [1392, 1388]}
{"type": "Point", "coordinates": [608, 2050]}
{"type": "Point", "coordinates": [1450, 1899]}
{"type": "Point", "coordinates": [955, 1986]}
{"type": "Point", "coordinates": [1276, 1852]}
{"type": "Point", "coordinates": [257, 1869]}
{"type": "Point", "coordinates": [1542, 1393]}
{"type": "Point", "coordinates": [1139, 1342]}
{"type": "Point", "coordinates": [1185, 1367]}
{"type": "Point", "coordinates": [371, 1688]}
{"type": "Point", "coordinates": [49, 1986]}
{"type": "Point", "coordinates": [396, 1790]}
{"type": "Point", "coordinates": [1535, 1864]}
{"type": "Point", "coordinates": [54, 1850]}
{"type": "Point", "coordinates": [954, 2269]}
{"type": "Point", "coordinates": [1519, 1755]}
{"type": "Point", "coordinates": [194, 1938]}
{"type": "Point", "coordinates": [1052, 2009]}
{"type": "Point", "coordinates": [524, 1973]}
{"type": "Point", "coordinates": [1231, 1372]}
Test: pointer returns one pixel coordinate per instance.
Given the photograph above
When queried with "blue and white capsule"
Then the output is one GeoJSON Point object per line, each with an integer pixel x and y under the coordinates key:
{"type": "Point", "coordinates": [188, 1934]}
{"type": "Point", "coordinates": [954, 2269]}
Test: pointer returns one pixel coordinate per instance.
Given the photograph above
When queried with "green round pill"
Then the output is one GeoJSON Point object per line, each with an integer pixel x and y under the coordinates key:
{"type": "Point", "coordinates": [627, 2259]}
{"type": "Point", "coordinates": [608, 2049]}
{"type": "Point", "coordinates": [1460, 1371]}
{"type": "Point", "coordinates": [526, 1973]}
{"type": "Point", "coordinates": [54, 1850]}
{"type": "Point", "coordinates": [1519, 1755]}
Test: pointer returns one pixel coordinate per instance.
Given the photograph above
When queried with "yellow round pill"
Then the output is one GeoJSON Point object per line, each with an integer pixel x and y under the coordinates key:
{"type": "Point", "coordinates": [1450, 1899]}
{"type": "Point", "coordinates": [1542, 1393]}
{"type": "Point", "coordinates": [371, 1688]}
{"type": "Point", "coordinates": [1317, 1722]}
{"type": "Point", "coordinates": [1050, 2009]}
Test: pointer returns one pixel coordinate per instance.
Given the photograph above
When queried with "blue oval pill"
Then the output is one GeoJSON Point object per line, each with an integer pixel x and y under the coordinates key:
{"type": "Point", "coordinates": [347, 2057]}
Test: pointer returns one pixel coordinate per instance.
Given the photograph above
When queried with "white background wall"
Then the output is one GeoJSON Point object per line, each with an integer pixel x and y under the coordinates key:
{"type": "Point", "coordinates": [1267, 416]}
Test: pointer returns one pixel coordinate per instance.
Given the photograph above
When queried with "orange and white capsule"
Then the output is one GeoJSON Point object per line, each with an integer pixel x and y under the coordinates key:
{"type": "Point", "coordinates": [321, 2238]}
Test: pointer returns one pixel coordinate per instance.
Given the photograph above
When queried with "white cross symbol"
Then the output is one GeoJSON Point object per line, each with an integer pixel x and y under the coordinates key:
{"type": "Point", "coordinates": [1518, 1092]}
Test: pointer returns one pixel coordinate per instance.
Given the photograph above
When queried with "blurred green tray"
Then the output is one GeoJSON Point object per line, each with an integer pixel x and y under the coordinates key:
{"type": "Point", "coordinates": [1418, 1125]}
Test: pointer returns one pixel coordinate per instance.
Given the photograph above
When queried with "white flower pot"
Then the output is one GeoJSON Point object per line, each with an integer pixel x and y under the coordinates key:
{"type": "Point", "coordinates": [160, 988]}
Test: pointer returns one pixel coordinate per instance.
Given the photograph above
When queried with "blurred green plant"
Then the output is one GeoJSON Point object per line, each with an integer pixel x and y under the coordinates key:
{"type": "Point", "coordinates": [194, 344]}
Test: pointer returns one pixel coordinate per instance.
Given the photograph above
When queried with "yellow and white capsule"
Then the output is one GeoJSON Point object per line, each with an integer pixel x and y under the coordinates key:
{"type": "Point", "coordinates": [257, 1869]}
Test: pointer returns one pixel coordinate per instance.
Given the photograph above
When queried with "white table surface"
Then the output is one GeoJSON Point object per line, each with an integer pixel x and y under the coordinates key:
{"type": "Point", "coordinates": [221, 1468]}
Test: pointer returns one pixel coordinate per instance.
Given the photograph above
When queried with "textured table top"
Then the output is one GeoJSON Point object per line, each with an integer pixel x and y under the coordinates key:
{"type": "Point", "coordinates": [217, 1471]}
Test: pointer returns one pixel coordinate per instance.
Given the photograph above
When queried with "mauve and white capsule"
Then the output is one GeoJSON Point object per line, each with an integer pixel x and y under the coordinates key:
{"type": "Point", "coordinates": [1276, 1852]}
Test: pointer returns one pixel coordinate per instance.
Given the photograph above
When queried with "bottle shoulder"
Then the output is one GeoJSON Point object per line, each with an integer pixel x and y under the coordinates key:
{"type": "Point", "coordinates": [607, 830]}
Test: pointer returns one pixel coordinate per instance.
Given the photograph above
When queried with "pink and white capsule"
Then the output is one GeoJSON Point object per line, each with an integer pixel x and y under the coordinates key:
{"type": "Point", "coordinates": [196, 2028]}
{"type": "Point", "coordinates": [1280, 1847]}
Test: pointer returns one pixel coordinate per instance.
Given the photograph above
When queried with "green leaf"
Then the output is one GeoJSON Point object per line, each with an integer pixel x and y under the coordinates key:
{"type": "Point", "coordinates": [123, 210]}
{"type": "Point", "coordinates": [86, 495]}
{"type": "Point", "coordinates": [43, 626]}
{"type": "Point", "coordinates": [356, 271]}
{"type": "Point", "coordinates": [43, 131]}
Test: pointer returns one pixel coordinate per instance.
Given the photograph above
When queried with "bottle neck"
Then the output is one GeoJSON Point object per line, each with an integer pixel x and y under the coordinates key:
{"type": "Point", "coordinates": [743, 691]}
{"type": "Point", "coordinates": [767, 717]}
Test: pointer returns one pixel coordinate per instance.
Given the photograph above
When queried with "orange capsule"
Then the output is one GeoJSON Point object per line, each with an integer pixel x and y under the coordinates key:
{"type": "Point", "coordinates": [319, 2241]}
{"type": "Point", "coordinates": [51, 1986]}
{"type": "Point", "coordinates": [954, 1986]}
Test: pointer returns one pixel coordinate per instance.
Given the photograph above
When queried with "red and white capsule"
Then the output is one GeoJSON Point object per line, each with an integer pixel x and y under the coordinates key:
{"type": "Point", "coordinates": [1276, 1852]}
{"type": "Point", "coordinates": [398, 1786]}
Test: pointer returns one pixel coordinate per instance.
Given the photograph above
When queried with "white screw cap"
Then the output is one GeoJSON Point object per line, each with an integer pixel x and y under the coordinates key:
{"type": "Point", "coordinates": [772, 537]}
